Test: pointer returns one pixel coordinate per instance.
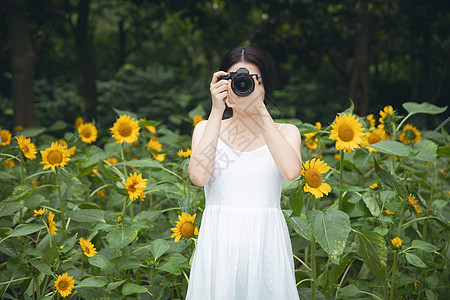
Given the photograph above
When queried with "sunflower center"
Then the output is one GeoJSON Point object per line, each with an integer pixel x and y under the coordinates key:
{"type": "Point", "coordinates": [125, 129]}
{"type": "Point", "coordinates": [373, 138]}
{"type": "Point", "coordinates": [87, 250]}
{"type": "Point", "coordinates": [313, 178]}
{"type": "Point", "coordinates": [346, 133]}
{"type": "Point", "coordinates": [25, 149]}
{"type": "Point", "coordinates": [187, 229]}
{"type": "Point", "coordinates": [62, 285]}
{"type": "Point", "coordinates": [410, 135]}
{"type": "Point", "coordinates": [132, 188]}
{"type": "Point", "coordinates": [87, 133]}
{"type": "Point", "coordinates": [55, 157]}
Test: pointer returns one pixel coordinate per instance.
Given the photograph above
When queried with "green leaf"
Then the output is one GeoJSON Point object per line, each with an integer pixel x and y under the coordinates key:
{"type": "Point", "coordinates": [149, 215]}
{"type": "Point", "coordinates": [427, 247]}
{"type": "Point", "coordinates": [300, 225]}
{"type": "Point", "coordinates": [31, 131]}
{"type": "Point", "coordinates": [425, 108]}
{"type": "Point", "coordinates": [127, 262]}
{"type": "Point", "coordinates": [142, 163]}
{"type": "Point", "coordinates": [443, 151]}
{"type": "Point", "coordinates": [148, 123]}
{"type": "Point", "coordinates": [331, 229]}
{"type": "Point", "coordinates": [50, 255]}
{"type": "Point", "coordinates": [121, 236]}
{"type": "Point", "coordinates": [170, 267]}
{"type": "Point", "coordinates": [348, 291]}
{"type": "Point", "coordinates": [296, 200]}
{"type": "Point", "coordinates": [390, 180]}
{"type": "Point", "coordinates": [68, 244]}
{"type": "Point", "coordinates": [415, 260]}
{"type": "Point", "coordinates": [92, 156]}
{"type": "Point", "coordinates": [102, 262]}
{"type": "Point", "coordinates": [87, 215]}
{"type": "Point", "coordinates": [371, 204]}
{"type": "Point", "coordinates": [70, 170]}
{"type": "Point", "coordinates": [25, 229]}
{"type": "Point", "coordinates": [7, 209]}
{"type": "Point", "coordinates": [93, 281]}
{"type": "Point", "coordinates": [23, 191]}
{"type": "Point", "coordinates": [41, 267]}
{"type": "Point", "coordinates": [133, 288]}
{"type": "Point", "coordinates": [371, 247]}
{"type": "Point", "coordinates": [392, 148]}
{"type": "Point", "coordinates": [158, 248]}
{"type": "Point", "coordinates": [427, 151]}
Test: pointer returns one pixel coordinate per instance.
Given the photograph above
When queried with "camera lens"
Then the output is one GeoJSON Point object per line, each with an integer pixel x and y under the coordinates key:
{"type": "Point", "coordinates": [242, 85]}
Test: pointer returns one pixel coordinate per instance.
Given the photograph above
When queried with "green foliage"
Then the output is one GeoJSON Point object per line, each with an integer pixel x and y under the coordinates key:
{"type": "Point", "coordinates": [344, 253]}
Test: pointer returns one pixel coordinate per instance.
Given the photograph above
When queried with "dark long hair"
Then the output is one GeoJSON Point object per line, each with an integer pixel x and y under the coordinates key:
{"type": "Point", "coordinates": [257, 57]}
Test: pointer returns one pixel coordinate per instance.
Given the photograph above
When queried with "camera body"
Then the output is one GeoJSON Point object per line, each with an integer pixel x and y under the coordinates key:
{"type": "Point", "coordinates": [242, 82]}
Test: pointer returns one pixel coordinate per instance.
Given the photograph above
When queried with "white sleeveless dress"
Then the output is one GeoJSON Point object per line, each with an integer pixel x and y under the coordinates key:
{"type": "Point", "coordinates": [243, 250]}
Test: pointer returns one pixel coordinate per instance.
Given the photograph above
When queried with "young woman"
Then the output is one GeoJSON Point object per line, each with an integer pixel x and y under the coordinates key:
{"type": "Point", "coordinates": [243, 249]}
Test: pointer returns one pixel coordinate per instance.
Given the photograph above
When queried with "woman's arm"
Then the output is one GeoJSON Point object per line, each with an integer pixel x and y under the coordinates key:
{"type": "Point", "coordinates": [203, 149]}
{"type": "Point", "coordinates": [206, 134]}
{"type": "Point", "coordinates": [284, 144]}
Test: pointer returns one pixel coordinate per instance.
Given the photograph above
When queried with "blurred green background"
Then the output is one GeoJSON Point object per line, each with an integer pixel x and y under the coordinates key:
{"type": "Point", "coordinates": [63, 59]}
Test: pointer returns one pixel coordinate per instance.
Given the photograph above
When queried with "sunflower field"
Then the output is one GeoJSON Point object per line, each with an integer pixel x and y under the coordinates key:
{"type": "Point", "coordinates": [110, 213]}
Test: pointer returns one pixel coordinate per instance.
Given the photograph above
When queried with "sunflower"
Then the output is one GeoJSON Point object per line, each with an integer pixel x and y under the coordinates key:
{"type": "Point", "coordinates": [51, 224]}
{"type": "Point", "coordinates": [54, 156]}
{"type": "Point", "coordinates": [65, 284]}
{"type": "Point", "coordinates": [311, 139]}
{"type": "Point", "coordinates": [373, 186]}
{"type": "Point", "coordinates": [197, 119]}
{"type": "Point", "coordinates": [413, 202]}
{"type": "Point", "coordinates": [5, 137]}
{"type": "Point", "coordinates": [184, 154]}
{"type": "Point", "coordinates": [88, 132]}
{"type": "Point", "coordinates": [372, 121]}
{"type": "Point", "coordinates": [9, 163]}
{"type": "Point", "coordinates": [184, 227]}
{"type": "Point", "coordinates": [373, 137]}
{"type": "Point", "coordinates": [348, 133]}
{"type": "Point", "coordinates": [154, 144]}
{"type": "Point", "coordinates": [125, 129]}
{"type": "Point", "coordinates": [79, 121]}
{"type": "Point", "coordinates": [311, 173]}
{"type": "Point", "coordinates": [112, 160]}
{"type": "Point", "coordinates": [159, 157]}
{"type": "Point", "coordinates": [387, 211]}
{"type": "Point", "coordinates": [27, 147]}
{"type": "Point", "coordinates": [388, 119]}
{"type": "Point", "coordinates": [396, 243]}
{"type": "Point", "coordinates": [70, 152]}
{"type": "Point", "coordinates": [39, 212]}
{"type": "Point", "coordinates": [410, 135]}
{"type": "Point", "coordinates": [88, 247]}
{"type": "Point", "coordinates": [136, 186]}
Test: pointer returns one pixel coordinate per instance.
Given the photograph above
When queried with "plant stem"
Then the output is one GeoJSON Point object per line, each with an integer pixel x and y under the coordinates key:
{"type": "Point", "coordinates": [313, 258]}
{"type": "Point", "coordinates": [341, 170]}
{"type": "Point", "coordinates": [63, 217]}
{"type": "Point", "coordinates": [394, 270]}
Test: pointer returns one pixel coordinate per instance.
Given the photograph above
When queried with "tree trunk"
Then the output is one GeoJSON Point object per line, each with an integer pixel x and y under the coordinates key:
{"type": "Point", "coordinates": [23, 61]}
{"type": "Point", "coordinates": [84, 49]}
{"type": "Point", "coordinates": [359, 79]}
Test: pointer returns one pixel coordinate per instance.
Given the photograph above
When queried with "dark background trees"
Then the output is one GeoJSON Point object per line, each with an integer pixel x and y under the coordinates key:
{"type": "Point", "coordinates": [66, 58]}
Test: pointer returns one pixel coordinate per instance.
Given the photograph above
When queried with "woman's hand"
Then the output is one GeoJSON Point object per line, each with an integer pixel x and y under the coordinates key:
{"type": "Point", "coordinates": [219, 91]}
{"type": "Point", "coordinates": [251, 104]}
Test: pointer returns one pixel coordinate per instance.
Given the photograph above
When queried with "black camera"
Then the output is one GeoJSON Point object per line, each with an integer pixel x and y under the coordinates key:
{"type": "Point", "coordinates": [242, 82]}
